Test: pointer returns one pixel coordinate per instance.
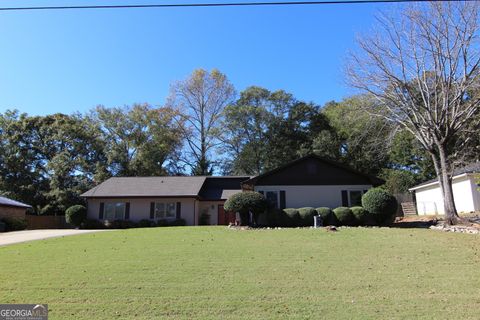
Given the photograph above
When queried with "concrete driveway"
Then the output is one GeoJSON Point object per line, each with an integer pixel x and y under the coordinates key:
{"type": "Point", "coordinates": [7, 238]}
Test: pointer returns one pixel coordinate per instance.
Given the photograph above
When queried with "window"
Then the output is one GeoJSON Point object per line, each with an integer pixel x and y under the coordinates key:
{"type": "Point", "coordinates": [114, 211]}
{"type": "Point", "coordinates": [272, 198]}
{"type": "Point", "coordinates": [165, 210]}
{"type": "Point", "coordinates": [355, 198]}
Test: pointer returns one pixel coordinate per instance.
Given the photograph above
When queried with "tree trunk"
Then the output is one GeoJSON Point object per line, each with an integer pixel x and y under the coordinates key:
{"type": "Point", "coordinates": [451, 216]}
{"type": "Point", "coordinates": [244, 218]}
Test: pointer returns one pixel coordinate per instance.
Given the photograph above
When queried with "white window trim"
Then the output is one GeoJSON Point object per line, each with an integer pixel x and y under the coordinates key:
{"type": "Point", "coordinates": [165, 204]}
{"type": "Point", "coordinates": [114, 207]}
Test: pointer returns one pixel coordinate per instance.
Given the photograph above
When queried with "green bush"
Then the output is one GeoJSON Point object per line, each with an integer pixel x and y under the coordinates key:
{"type": "Point", "coordinates": [162, 223]}
{"type": "Point", "coordinates": [381, 204]}
{"type": "Point", "coordinates": [204, 219]}
{"type": "Point", "coordinates": [92, 224]}
{"type": "Point", "coordinates": [275, 217]}
{"type": "Point", "coordinates": [344, 216]}
{"type": "Point", "coordinates": [328, 218]}
{"type": "Point", "coordinates": [306, 216]}
{"type": "Point", "coordinates": [362, 216]}
{"type": "Point", "coordinates": [14, 224]}
{"type": "Point", "coordinates": [75, 215]}
{"type": "Point", "coordinates": [293, 217]}
{"type": "Point", "coordinates": [122, 224]}
{"type": "Point", "coordinates": [145, 223]}
{"type": "Point", "coordinates": [178, 223]}
{"type": "Point", "coordinates": [244, 202]}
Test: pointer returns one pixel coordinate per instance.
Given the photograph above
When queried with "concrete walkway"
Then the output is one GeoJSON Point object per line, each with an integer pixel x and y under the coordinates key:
{"type": "Point", "coordinates": [7, 238]}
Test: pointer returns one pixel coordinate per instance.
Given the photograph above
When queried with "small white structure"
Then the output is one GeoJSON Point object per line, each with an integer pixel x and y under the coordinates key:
{"type": "Point", "coordinates": [429, 199]}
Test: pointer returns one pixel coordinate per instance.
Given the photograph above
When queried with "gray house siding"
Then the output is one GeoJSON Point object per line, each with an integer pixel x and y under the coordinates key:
{"type": "Point", "coordinates": [314, 196]}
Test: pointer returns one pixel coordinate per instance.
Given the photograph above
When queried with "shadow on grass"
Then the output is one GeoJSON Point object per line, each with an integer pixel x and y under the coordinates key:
{"type": "Point", "coordinates": [414, 224]}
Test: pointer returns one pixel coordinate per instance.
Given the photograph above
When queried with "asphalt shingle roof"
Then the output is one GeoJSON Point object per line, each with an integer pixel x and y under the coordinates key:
{"type": "Point", "coordinates": [147, 186]}
{"type": "Point", "coordinates": [216, 188]}
{"type": "Point", "coordinates": [12, 203]}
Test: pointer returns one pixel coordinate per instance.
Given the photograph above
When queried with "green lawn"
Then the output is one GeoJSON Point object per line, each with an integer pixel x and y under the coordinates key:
{"type": "Point", "coordinates": [214, 272]}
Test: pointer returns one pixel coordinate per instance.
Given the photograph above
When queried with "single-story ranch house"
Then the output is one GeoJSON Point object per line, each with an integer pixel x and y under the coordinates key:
{"type": "Point", "coordinates": [309, 181]}
{"type": "Point", "coordinates": [465, 192]}
{"type": "Point", "coordinates": [12, 209]}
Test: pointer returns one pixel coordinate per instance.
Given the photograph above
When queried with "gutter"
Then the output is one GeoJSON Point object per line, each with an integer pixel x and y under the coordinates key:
{"type": "Point", "coordinates": [436, 182]}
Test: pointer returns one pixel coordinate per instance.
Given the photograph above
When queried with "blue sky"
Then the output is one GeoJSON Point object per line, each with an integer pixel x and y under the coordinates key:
{"type": "Point", "coordinates": [67, 61]}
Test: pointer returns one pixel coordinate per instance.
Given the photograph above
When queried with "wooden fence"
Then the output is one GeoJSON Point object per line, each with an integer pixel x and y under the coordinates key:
{"type": "Point", "coordinates": [46, 222]}
{"type": "Point", "coordinates": [406, 204]}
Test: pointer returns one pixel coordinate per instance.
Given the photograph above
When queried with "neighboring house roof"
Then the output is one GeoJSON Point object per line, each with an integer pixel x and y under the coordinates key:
{"type": "Point", "coordinates": [12, 203]}
{"type": "Point", "coordinates": [313, 170]}
{"type": "Point", "coordinates": [147, 187]}
{"type": "Point", "coordinates": [473, 167]}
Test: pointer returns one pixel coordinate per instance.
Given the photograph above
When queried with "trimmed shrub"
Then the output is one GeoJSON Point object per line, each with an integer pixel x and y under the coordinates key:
{"type": "Point", "coordinates": [344, 216]}
{"type": "Point", "coordinates": [162, 223]}
{"type": "Point", "coordinates": [204, 219]}
{"type": "Point", "coordinates": [293, 217]}
{"type": "Point", "coordinates": [244, 202]}
{"type": "Point", "coordinates": [14, 224]}
{"type": "Point", "coordinates": [274, 218]}
{"type": "Point", "coordinates": [122, 224]}
{"type": "Point", "coordinates": [178, 223]}
{"type": "Point", "coordinates": [327, 215]}
{"type": "Point", "coordinates": [381, 204]}
{"type": "Point", "coordinates": [306, 216]}
{"type": "Point", "coordinates": [362, 216]}
{"type": "Point", "coordinates": [92, 224]}
{"type": "Point", "coordinates": [75, 215]}
{"type": "Point", "coordinates": [145, 223]}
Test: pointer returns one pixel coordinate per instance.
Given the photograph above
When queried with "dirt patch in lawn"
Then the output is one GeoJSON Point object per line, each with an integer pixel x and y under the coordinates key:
{"type": "Point", "coordinates": [415, 222]}
{"type": "Point", "coordinates": [467, 224]}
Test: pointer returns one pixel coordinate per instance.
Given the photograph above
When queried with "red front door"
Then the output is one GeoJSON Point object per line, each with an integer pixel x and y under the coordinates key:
{"type": "Point", "coordinates": [225, 218]}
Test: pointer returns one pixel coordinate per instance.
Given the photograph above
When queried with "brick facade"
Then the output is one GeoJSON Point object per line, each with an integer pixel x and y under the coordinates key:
{"type": "Point", "coordinates": [12, 212]}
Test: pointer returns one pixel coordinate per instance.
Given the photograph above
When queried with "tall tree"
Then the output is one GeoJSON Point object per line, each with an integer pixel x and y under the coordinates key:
{"type": "Point", "coordinates": [48, 161]}
{"type": "Point", "coordinates": [406, 153]}
{"type": "Point", "coordinates": [20, 166]}
{"type": "Point", "coordinates": [201, 100]}
{"type": "Point", "coordinates": [422, 65]}
{"type": "Point", "coordinates": [265, 129]}
{"type": "Point", "coordinates": [360, 140]}
{"type": "Point", "coordinates": [246, 124]}
{"type": "Point", "coordinates": [140, 140]}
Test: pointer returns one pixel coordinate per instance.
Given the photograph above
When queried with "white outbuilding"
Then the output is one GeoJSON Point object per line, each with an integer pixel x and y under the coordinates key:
{"type": "Point", "coordinates": [465, 192]}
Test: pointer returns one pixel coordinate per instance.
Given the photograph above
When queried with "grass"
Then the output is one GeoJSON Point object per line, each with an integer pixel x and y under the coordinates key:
{"type": "Point", "coordinates": [214, 272]}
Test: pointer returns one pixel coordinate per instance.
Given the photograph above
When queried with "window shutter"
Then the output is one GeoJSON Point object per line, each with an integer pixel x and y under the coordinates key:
{"type": "Point", "coordinates": [152, 210]}
{"type": "Point", "coordinates": [282, 199]}
{"type": "Point", "coordinates": [344, 198]}
{"type": "Point", "coordinates": [100, 211]}
{"type": "Point", "coordinates": [127, 210]}
{"type": "Point", "coordinates": [179, 210]}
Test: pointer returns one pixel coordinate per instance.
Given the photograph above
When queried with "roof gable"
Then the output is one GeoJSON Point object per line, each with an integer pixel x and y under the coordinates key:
{"type": "Point", "coordinates": [314, 170]}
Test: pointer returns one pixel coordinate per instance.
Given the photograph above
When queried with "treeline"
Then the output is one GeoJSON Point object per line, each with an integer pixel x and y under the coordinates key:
{"type": "Point", "coordinates": [204, 128]}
